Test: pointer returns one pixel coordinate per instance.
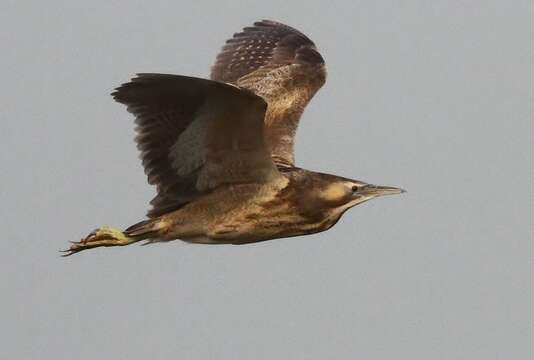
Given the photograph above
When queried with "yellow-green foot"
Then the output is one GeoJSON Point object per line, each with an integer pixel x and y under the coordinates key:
{"type": "Point", "coordinates": [104, 236]}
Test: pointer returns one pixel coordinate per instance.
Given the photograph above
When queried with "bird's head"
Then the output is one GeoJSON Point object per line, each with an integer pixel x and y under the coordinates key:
{"type": "Point", "coordinates": [342, 194]}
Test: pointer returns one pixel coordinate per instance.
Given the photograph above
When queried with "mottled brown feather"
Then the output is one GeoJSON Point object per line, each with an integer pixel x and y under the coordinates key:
{"type": "Point", "coordinates": [195, 135]}
{"type": "Point", "coordinates": [283, 66]}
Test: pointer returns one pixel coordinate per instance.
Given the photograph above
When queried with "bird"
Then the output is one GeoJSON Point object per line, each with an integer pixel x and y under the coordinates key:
{"type": "Point", "coordinates": [220, 151]}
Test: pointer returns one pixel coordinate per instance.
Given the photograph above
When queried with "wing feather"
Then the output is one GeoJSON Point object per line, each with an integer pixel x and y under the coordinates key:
{"type": "Point", "coordinates": [284, 67]}
{"type": "Point", "coordinates": [195, 135]}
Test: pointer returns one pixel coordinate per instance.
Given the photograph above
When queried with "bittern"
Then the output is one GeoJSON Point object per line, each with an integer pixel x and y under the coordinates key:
{"type": "Point", "coordinates": [220, 151]}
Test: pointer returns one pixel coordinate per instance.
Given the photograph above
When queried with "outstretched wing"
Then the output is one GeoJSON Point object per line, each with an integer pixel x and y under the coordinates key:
{"type": "Point", "coordinates": [281, 65]}
{"type": "Point", "coordinates": [195, 135]}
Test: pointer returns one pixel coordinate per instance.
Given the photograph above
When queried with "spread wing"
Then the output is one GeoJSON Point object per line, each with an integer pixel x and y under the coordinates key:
{"type": "Point", "coordinates": [195, 135]}
{"type": "Point", "coordinates": [281, 65]}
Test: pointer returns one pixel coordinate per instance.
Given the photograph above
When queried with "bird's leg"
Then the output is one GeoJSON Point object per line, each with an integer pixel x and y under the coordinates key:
{"type": "Point", "coordinates": [104, 236]}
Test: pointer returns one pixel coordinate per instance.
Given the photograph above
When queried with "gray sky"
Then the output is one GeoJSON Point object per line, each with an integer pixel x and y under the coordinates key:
{"type": "Point", "coordinates": [435, 97]}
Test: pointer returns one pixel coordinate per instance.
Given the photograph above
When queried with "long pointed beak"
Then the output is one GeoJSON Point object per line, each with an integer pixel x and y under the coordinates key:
{"type": "Point", "coordinates": [377, 190]}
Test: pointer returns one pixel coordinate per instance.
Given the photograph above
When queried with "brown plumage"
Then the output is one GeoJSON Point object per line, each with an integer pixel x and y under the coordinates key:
{"type": "Point", "coordinates": [281, 65]}
{"type": "Point", "coordinates": [220, 151]}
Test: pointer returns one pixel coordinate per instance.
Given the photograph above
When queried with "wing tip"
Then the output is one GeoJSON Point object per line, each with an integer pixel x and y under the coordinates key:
{"type": "Point", "coordinates": [265, 42]}
{"type": "Point", "coordinates": [124, 92]}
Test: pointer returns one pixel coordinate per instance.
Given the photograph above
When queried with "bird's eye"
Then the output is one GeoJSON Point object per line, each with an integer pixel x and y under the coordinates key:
{"type": "Point", "coordinates": [354, 188]}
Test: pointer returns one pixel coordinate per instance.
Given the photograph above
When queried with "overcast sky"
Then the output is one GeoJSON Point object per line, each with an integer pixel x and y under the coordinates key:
{"type": "Point", "coordinates": [433, 96]}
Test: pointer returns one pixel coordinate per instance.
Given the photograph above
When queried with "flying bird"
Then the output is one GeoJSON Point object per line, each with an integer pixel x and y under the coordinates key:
{"type": "Point", "coordinates": [220, 151]}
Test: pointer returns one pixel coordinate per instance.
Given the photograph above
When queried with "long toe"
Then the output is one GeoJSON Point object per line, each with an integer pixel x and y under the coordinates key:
{"type": "Point", "coordinates": [104, 236]}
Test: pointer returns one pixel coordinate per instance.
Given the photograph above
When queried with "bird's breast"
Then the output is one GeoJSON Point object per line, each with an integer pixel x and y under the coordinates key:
{"type": "Point", "coordinates": [275, 213]}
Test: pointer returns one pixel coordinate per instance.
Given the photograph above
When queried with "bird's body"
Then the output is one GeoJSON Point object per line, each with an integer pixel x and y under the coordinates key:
{"type": "Point", "coordinates": [248, 213]}
{"type": "Point", "coordinates": [221, 153]}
